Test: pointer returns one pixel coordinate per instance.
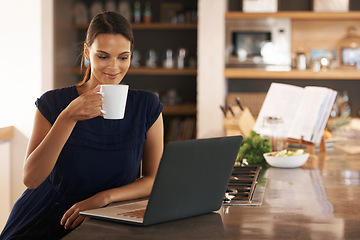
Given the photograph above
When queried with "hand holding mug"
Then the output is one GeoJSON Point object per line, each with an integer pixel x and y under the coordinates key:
{"type": "Point", "coordinates": [86, 106]}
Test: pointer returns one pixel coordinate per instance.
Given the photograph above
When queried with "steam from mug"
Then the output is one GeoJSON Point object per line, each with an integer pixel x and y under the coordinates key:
{"type": "Point", "coordinates": [114, 100]}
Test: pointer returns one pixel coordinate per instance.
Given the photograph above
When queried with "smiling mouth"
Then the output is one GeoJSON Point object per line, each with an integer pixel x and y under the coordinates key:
{"type": "Point", "coordinates": [112, 76]}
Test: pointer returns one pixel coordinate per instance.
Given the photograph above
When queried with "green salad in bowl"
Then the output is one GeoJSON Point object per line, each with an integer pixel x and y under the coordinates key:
{"type": "Point", "coordinates": [285, 152]}
{"type": "Point", "coordinates": [286, 159]}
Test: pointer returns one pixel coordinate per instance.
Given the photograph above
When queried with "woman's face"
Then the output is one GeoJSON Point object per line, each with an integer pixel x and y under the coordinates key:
{"type": "Point", "coordinates": [109, 56]}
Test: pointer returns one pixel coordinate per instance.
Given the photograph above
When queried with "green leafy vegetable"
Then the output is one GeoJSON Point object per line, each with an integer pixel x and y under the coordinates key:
{"type": "Point", "coordinates": [253, 147]}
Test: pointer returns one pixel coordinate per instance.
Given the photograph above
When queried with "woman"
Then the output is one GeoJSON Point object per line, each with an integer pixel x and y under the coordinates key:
{"type": "Point", "coordinates": [77, 160]}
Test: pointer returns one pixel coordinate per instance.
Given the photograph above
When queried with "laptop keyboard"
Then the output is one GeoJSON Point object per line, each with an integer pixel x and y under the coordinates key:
{"type": "Point", "coordinates": [136, 213]}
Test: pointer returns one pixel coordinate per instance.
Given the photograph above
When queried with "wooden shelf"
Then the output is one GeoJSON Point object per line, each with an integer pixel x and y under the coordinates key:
{"type": "Point", "coordinates": [164, 26]}
{"type": "Point", "coordinates": [152, 26]}
{"type": "Point", "coordinates": [162, 71]}
{"type": "Point", "coordinates": [180, 109]}
{"type": "Point", "coordinates": [248, 73]}
{"type": "Point", "coordinates": [297, 15]}
{"type": "Point", "coordinates": [153, 71]}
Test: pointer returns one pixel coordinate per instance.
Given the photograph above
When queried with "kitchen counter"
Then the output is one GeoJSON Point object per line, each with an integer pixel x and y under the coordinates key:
{"type": "Point", "coordinates": [6, 133]}
{"type": "Point", "coordinates": [318, 201]}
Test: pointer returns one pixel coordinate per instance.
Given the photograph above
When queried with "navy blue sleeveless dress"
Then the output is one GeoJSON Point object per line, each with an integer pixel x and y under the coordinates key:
{"type": "Point", "coordinates": [100, 154]}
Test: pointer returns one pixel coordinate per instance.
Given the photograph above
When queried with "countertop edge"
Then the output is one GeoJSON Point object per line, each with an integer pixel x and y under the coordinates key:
{"type": "Point", "coordinates": [6, 133]}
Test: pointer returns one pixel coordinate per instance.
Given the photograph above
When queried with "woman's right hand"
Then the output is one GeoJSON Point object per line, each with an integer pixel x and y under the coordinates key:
{"type": "Point", "coordinates": [86, 106]}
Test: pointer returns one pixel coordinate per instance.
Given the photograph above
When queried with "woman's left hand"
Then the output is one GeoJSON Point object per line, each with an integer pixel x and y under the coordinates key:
{"type": "Point", "coordinates": [72, 219]}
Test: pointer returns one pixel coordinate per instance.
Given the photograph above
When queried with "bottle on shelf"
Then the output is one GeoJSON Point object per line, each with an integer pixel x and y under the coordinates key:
{"type": "Point", "coordinates": [125, 9]}
{"type": "Point", "coordinates": [137, 12]}
{"type": "Point", "coordinates": [300, 60]}
{"type": "Point", "coordinates": [147, 13]}
{"type": "Point", "coordinates": [349, 48]}
{"type": "Point", "coordinates": [110, 5]}
{"type": "Point", "coordinates": [152, 59]}
{"type": "Point", "coordinates": [181, 58]}
{"type": "Point", "coordinates": [169, 60]}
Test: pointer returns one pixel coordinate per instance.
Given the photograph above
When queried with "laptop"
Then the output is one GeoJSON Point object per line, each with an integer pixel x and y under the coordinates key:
{"type": "Point", "coordinates": [191, 180]}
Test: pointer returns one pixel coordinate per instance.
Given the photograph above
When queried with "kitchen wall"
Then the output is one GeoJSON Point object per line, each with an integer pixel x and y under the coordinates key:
{"type": "Point", "coordinates": [26, 71]}
{"type": "Point", "coordinates": [4, 181]}
{"type": "Point", "coordinates": [211, 89]}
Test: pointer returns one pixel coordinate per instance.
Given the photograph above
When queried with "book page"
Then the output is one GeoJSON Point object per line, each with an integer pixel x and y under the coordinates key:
{"type": "Point", "coordinates": [282, 101]}
{"type": "Point", "coordinates": [320, 128]}
{"type": "Point", "coordinates": [310, 113]}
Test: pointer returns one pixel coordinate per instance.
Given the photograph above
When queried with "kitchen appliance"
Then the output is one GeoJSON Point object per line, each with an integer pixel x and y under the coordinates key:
{"type": "Point", "coordinates": [258, 43]}
{"type": "Point", "coordinates": [246, 187]}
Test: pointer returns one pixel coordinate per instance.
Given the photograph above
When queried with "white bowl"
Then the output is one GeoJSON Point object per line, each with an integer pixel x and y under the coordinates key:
{"type": "Point", "coordinates": [286, 161]}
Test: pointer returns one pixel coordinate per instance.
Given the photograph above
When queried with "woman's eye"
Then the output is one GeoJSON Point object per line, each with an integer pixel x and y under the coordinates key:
{"type": "Point", "coordinates": [123, 58]}
{"type": "Point", "coordinates": [102, 57]}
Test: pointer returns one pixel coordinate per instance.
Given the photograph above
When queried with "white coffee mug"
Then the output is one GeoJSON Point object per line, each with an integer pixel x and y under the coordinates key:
{"type": "Point", "coordinates": [114, 100]}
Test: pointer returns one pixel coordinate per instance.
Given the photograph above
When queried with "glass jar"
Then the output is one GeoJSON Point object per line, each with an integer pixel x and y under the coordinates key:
{"type": "Point", "coordinates": [274, 129]}
{"type": "Point", "coordinates": [349, 48]}
{"type": "Point", "coordinates": [301, 60]}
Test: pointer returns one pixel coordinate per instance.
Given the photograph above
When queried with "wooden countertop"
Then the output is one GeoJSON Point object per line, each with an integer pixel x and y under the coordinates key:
{"type": "Point", "coordinates": [6, 133]}
{"type": "Point", "coordinates": [320, 200]}
{"type": "Point", "coordinates": [251, 73]}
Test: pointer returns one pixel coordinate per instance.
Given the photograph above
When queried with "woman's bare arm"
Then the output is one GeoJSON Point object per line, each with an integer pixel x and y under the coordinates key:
{"type": "Point", "coordinates": [47, 141]}
{"type": "Point", "coordinates": [44, 147]}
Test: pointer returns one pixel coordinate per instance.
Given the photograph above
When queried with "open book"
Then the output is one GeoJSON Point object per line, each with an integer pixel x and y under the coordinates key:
{"type": "Point", "coordinates": [304, 111]}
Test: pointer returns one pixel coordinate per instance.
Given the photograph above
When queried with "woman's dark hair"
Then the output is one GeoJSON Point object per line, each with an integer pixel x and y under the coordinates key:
{"type": "Point", "coordinates": [110, 23]}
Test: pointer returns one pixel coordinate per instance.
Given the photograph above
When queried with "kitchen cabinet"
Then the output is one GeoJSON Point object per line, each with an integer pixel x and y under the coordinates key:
{"type": "Point", "coordinates": [309, 30]}
{"type": "Point", "coordinates": [158, 36]}
{"type": "Point", "coordinates": [332, 26]}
